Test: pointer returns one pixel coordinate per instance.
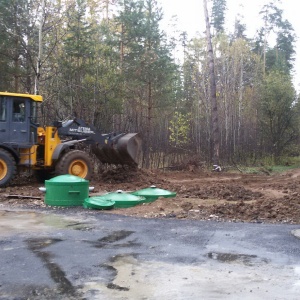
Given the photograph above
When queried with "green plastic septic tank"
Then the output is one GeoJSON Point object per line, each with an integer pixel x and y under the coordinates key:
{"type": "Point", "coordinates": [98, 202]}
{"type": "Point", "coordinates": [66, 190]}
{"type": "Point", "coordinates": [152, 193]}
{"type": "Point", "coordinates": [123, 199]}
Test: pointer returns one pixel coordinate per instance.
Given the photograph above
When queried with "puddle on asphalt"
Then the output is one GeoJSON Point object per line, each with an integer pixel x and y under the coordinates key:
{"type": "Point", "coordinates": [297, 272]}
{"type": "Point", "coordinates": [22, 221]}
{"type": "Point", "coordinates": [110, 240]}
{"type": "Point", "coordinates": [116, 236]}
{"type": "Point", "coordinates": [151, 280]}
{"type": "Point", "coordinates": [232, 257]}
{"type": "Point", "coordinates": [296, 233]}
{"type": "Point", "coordinates": [38, 247]}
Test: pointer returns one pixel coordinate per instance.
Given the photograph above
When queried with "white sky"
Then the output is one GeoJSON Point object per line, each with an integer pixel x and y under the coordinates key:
{"type": "Point", "coordinates": [190, 18]}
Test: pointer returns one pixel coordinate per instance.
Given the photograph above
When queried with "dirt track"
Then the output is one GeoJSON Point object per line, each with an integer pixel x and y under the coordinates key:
{"type": "Point", "coordinates": [200, 195]}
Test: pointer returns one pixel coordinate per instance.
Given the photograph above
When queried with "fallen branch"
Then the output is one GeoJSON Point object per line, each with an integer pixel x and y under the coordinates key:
{"type": "Point", "coordinates": [23, 197]}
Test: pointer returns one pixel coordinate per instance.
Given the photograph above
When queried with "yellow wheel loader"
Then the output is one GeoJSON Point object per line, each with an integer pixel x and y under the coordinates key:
{"type": "Point", "coordinates": [53, 149]}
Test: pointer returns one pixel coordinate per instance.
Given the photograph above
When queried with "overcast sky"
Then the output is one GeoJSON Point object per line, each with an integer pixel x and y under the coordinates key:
{"type": "Point", "coordinates": [191, 18]}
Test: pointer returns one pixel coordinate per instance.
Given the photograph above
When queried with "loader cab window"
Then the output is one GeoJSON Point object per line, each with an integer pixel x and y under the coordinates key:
{"type": "Point", "coordinates": [34, 112]}
{"type": "Point", "coordinates": [19, 110]}
{"type": "Point", "coordinates": [2, 109]}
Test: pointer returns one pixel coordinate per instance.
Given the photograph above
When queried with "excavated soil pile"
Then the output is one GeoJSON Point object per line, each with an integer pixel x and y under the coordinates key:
{"type": "Point", "coordinates": [129, 175]}
{"type": "Point", "coordinates": [220, 196]}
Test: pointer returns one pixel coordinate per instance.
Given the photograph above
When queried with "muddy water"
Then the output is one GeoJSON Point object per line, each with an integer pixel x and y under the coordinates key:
{"type": "Point", "coordinates": [232, 279]}
{"type": "Point", "coordinates": [22, 221]}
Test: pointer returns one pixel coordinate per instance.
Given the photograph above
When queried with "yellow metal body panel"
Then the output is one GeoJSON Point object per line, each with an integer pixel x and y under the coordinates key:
{"type": "Point", "coordinates": [28, 156]}
{"type": "Point", "coordinates": [41, 134]}
{"type": "Point", "coordinates": [46, 138]}
{"type": "Point", "coordinates": [51, 140]}
{"type": "Point", "coordinates": [37, 98]}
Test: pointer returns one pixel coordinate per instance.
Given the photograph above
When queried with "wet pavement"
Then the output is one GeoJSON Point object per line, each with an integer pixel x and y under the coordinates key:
{"type": "Point", "coordinates": [85, 254]}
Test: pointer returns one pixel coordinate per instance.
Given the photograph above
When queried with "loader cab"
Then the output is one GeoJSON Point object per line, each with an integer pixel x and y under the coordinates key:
{"type": "Point", "coordinates": [18, 119]}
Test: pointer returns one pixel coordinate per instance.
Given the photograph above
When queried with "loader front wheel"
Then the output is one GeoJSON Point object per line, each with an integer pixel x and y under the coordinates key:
{"type": "Point", "coordinates": [77, 163]}
{"type": "Point", "coordinates": [7, 167]}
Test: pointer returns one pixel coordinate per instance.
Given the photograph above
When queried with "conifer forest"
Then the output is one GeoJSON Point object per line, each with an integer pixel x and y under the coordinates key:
{"type": "Point", "coordinates": [217, 96]}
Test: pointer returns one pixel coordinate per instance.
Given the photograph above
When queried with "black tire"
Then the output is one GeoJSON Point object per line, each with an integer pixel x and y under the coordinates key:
{"type": "Point", "coordinates": [8, 167]}
{"type": "Point", "coordinates": [76, 163]}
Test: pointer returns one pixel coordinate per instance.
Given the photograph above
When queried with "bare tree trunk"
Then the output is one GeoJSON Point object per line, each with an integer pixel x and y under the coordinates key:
{"type": "Point", "coordinates": [122, 47]}
{"type": "Point", "coordinates": [265, 48]}
{"type": "Point", "coordinates": [38, 66]}
{"type": "Point", "coordinates": [240, 107]}
{"type": "Point", "coordinates": [213, 92]}
{"type": "Point", "coordinates": [16, 52]}
{"type": "Point", "coordinates": [148, 128]}
{"type": "Point", "coordinates": [107, 5]}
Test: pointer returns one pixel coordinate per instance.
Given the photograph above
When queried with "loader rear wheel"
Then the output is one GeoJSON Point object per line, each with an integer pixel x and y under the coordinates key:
{"type": "Point", "coordinates": [7, 167]}
{"type": "Point", "coordinates": [76, 163]}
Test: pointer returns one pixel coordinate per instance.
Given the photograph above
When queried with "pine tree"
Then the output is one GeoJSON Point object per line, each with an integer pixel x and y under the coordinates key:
{"type": "Point", "coordinates": [218, 15]}
{"type": "Point", "coordinates": [285, 42]}
{"type": "Point", "coordinates": [76, 57]}
{"type": "Point", "coordinates": [147, 68]}
{"type": "Point", "coordinates": [281, 56]}
{"type": "Point", "coordinates": [18, 44]}
{"type": "Point", "coordinates": [277, 113]}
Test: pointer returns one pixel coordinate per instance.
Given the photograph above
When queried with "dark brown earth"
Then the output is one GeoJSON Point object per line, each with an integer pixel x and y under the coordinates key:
{"type": "Point", "coordinates": [222, 196]}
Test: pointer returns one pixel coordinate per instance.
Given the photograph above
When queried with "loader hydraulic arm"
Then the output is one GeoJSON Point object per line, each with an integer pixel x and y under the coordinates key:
{"type": "Point", "coordinates": [112, 148]}
{"type": "Point", "coordinates": [77, 129]}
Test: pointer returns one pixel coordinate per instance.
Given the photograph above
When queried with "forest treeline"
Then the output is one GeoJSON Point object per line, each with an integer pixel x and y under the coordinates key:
{"type": "Point", "coordinates": [111, 63]}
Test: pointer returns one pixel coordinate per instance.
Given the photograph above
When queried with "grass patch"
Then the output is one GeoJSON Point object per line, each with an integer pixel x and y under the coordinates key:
{"type": "Point", "coordinates": [263, 167]}
{"type": "Point", "coordinates": [280, 169]}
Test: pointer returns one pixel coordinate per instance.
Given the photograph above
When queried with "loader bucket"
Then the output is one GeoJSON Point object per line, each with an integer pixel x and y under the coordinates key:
{"type": "Point", "coordinates": [125, 151]}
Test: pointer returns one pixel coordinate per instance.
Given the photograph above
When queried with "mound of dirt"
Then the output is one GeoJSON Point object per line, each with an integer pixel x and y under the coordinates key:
{"type": "Point", "coordinates": [129, 175]}
{"type": "Point", "coordinates": [220, 196]}
{"type": "Point", "coordinates": [220, 191]}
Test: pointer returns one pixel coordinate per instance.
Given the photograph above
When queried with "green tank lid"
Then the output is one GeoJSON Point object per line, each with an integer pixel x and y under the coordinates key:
{"type": "Point", "coordinates": [67, 178]}
{"type": "Point", "coordinates": [123, 199]}
{"type": "Point", "coordinates": [152, 193]}
{"type": "Point", "coordinates": [98, 202]}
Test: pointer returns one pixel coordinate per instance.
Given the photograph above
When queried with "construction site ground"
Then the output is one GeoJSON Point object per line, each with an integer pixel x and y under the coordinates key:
{"type": "Point", "coordinates": [201, 195]}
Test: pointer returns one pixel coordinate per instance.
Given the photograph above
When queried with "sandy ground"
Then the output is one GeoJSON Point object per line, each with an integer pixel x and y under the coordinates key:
{"type": "Point", "coordinates": [221, 196]}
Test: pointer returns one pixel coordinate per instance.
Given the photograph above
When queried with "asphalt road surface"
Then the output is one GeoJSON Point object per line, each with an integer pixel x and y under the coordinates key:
{"type": "Point", "coordinates": [85, 254]}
